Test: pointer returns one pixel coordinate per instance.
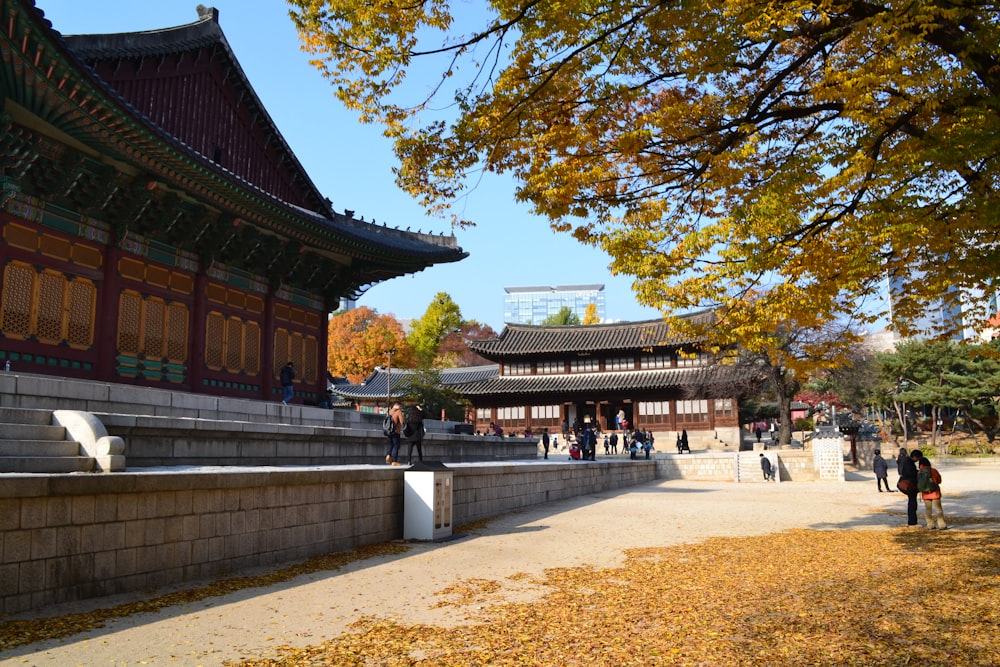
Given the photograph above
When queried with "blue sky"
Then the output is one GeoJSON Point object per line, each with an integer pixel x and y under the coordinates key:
{"type": "Point", "coordinates": [351, 164]}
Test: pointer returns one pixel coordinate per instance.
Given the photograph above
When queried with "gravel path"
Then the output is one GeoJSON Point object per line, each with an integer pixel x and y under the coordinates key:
{"type": "Point", "coordinates": [593, 529]}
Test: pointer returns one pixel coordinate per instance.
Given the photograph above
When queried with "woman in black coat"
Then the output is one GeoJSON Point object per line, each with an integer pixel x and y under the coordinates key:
{"type": "Point", "coordinates": [413, 432]}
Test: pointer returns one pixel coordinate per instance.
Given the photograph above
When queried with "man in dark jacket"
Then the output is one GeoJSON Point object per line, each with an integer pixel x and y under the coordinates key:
{"type": "Point", "coordinates": [908, 479]}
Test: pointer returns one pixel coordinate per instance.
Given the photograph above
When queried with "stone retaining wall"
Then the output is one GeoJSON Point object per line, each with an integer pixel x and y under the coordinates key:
{"type": "Point", "coordinates": [70, 537]}
{"type": "Point", "coordinates": [793, 465]}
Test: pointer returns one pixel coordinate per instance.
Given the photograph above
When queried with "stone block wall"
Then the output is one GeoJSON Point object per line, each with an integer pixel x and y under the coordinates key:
{"type": "Point", "coordinates": [711, 466]}
{"type": "Point", "coordinates": [70, 537]}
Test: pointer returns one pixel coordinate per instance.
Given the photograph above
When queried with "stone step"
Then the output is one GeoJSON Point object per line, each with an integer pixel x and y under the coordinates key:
{"type": "Point", "coordinates": [33, 416]}
{"type": "Point", "coordinates": [46, 464]}
{"type": "Point", "coordinates": [21, 431]}
{"type": "Point", "coordinates": [37, 448]}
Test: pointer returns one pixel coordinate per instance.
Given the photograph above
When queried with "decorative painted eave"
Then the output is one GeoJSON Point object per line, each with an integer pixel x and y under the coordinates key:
{"type": "Point", "coordinates": [49, 80]}
{"type": "Point", "coordinates": [525, 341]}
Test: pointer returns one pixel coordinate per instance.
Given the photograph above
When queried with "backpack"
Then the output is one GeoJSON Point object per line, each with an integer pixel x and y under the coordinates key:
{"type": "Point", "coordinates": [925, 481]}
{"type": "Point", "coordinates": [388, 426]}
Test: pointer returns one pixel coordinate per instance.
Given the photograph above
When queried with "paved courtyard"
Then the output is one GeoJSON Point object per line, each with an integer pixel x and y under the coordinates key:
{"type": "Point", "coordinates": [593, 530]}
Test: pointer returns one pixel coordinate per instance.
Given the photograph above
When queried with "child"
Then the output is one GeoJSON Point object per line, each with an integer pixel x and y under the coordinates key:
{"type": "Point", "coordinates": [881, 469]}
{"type": "Point", "coordinates": [929, 484]}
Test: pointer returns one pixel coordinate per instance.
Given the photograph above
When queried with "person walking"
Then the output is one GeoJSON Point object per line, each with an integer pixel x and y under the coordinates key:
{"type": "Point", "coordinates": [392, 446]}
{"type": "Point", "coordinates": [929, 485]}
{"type": "Point", "coordinates": [545, 442]}
{"type": "Point", "coordinates": [413, 432]}
{"type": "Point", "coordinates": [287, 378]}
{"type": "Point", "coordinates": [881, 469]}
{"type": "Point", "coordinates": [908, 484]}
{"type": "Point", "coordinates": [765, 467]}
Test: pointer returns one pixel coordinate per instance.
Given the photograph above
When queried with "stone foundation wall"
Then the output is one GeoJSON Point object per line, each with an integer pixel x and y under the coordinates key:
{"type": "Point", "coordinates": [70, 537]}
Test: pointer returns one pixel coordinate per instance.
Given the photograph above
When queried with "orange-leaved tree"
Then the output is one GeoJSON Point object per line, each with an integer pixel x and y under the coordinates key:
{"type": "Point", "coordinates": [361, 339]}
{"type": "Point", "coordinates": [801, 151]}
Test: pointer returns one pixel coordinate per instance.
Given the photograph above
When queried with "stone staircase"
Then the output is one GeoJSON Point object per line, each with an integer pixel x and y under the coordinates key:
{"type": "Point", "coordinates": [748, 465]}
{"type": "Point", "coordinates": [30, 443]}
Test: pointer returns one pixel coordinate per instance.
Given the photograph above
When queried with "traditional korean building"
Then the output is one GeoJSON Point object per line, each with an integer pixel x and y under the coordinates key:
{"type": "Point", "coordinates": [663, 382]}
{"type": "Point", "coordinates": [157, 229]}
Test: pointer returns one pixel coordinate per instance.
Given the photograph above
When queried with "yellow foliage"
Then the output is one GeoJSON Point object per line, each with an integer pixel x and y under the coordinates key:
{"type": "Point", "coordinates": [714, 149]}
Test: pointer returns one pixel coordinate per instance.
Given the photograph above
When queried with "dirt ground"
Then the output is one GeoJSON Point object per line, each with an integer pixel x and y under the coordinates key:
{"type": "Point", "coordinates": [589, 530]}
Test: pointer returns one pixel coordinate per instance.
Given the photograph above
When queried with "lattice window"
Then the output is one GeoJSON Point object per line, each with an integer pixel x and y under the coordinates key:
{"type": "Point", "coordinates": [295, 353]}
{"type": "Point", "coordinates": [654, 412]}
{"type": "Point", "coordinates": [152, 326]}
{"type": "Point", "coordinates": [655, 361]}
{"type": "Point", "coordinates": [692, 411]}
{"type": "Point", "coordinates": [584, 366]}
{"type": "Point", "coordinates": [177, 328]}
{"type": "Point", "coordinates": [539, 412]}
{"type": "Point", "coordinates": [281, 351]}
{"type": "Point", "coordinates": [48, 325]}
{"type": "Point", "coordinates": [82, 302]}
{"type": "Point", "coordinates": [692, 360]}
{"type": "Point", "coordinates": [550, 367]}
{"type": "Point", "coordinates": [619, 364]}
{"type": "Point", "coordinates": [234, 344]}
{"type": "Point", "coordinates": [724, 407]}
{"type": "Point", "coordinates": [251, 345]}
{"type": "Point", "coordinates": [18, 286]}
{"type": "Point", "coordinates": [129, 312]}
{"type": "Point", "coordinates": [215, 326]}
{"type": "Point", "coordinates": [309, 367]}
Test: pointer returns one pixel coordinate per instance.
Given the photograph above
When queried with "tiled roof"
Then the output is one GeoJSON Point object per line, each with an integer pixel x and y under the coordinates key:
{"type": "Point", "coordinates": [525, 340]}
{"type": "Point", "coordinates": [633, 381]}
{"type": "Point", "coordinates": [378, 253]}
{"type": "Point", "coordinates": [375, 386]}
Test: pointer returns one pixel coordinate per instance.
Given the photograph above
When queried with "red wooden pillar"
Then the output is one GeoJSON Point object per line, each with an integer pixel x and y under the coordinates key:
{"type": "Point", "coordinates": [267, 379]}
{"type": "Point", "coordinates": [324, 346]}
{"type": "Point", "coordinates": [106, 324]}
{"type": "Point", "coordinates": [196, 334]}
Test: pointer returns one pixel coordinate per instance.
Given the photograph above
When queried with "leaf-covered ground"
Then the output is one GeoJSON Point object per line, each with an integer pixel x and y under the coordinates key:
{"type": "Point", "coordinates": [901, 597]}
{"type": "Point", "coordinates": [28, 631]}
{"type": "Point", "coordinates": [860, 597]}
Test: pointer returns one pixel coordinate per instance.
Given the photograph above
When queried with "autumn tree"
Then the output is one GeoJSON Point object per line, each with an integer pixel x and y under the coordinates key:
{"type": "Point", "coordinates": [454, 352]}
{"type": "Point", "coordinates": [441, 317]}
{"type": "Point", "coordinates": [788, 356]}
{"type": "Point", "coordinates": [590, 315]}
{"type": "Point", "coordinates": [359, 340]}
{"type": "Point", "coordinates": [565, 317]}
{"type": "Point", "coordinates": [804, 150]}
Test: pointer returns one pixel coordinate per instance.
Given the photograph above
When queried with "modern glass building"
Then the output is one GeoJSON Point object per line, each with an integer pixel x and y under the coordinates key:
{"type": "Point", "coordinates": [533, 305]}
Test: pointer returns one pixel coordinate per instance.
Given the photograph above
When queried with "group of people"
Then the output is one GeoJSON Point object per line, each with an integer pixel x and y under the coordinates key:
{"type": "Point", "coordinates": [916, 477]}
{"type": "Point", "coordinates": [408, 427]}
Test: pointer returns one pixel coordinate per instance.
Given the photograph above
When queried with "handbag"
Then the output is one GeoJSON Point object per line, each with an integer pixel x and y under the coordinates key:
{"type": "Point", "coordinates": [907, 486]}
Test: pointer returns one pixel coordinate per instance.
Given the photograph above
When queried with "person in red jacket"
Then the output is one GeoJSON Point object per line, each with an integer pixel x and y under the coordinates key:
{"type": "Point", "coordinates": [930, 479]}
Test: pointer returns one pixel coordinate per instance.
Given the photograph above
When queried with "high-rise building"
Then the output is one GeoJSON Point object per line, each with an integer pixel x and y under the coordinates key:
{"type": "Point", "coordinates": [962, 315]}
{"type": "Point", "coordinates": [533, 305]}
